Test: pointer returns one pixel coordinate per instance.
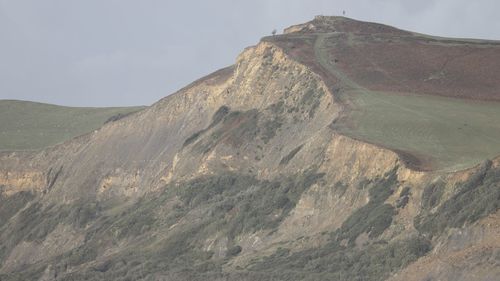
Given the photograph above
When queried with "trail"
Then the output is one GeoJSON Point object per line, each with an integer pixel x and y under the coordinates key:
{"type": "Point", "coordinates": [365, 99]}
{"type": "Point", "coordinates": [324, 60]}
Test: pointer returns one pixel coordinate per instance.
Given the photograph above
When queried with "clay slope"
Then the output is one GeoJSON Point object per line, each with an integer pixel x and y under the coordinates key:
{"type": "Point", "coordinates": [244, 175]}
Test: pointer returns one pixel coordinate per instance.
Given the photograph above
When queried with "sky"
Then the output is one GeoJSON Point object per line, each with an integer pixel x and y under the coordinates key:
{"type": "Point", "coordinates": [131, 52]}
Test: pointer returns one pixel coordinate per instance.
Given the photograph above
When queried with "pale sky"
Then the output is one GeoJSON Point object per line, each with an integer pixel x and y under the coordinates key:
{"type": "Point", "coordinates": [131, 52]}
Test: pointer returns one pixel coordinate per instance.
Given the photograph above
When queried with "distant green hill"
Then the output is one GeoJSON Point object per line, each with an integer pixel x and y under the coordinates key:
{"type": "Point", "coordinates": [28, 125]}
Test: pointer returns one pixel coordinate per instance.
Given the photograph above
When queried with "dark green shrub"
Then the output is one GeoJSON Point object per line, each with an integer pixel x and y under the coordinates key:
{"type": "Point", "coordinates": [119, 116]}
{"type": "Point", "coordinates": [219, 115]}
{"type": "Point", "coordinates": [402, 202]}
{"type": "Point", "coordinates": [192, 138]}
{"type": "Point", "coordinates": [290, 155]}
{"type": "Point", "coordinates": [233, 251]}
{"type": "Point", "coordinates": [334, 262]}
{"type": "Point", "coordinates": [216, 119]}
{"type": "Point", "coordinates": [405, 192]}
{"type": "Point", "coordinates": [269, 129]}
{"type": "Point", "coordinates": [404, 197]}
{"type": "Point", "coordinates": [431, 196]}
{"type": "Point", "coordinates": [340, 188]}
{"type": "Point", "coordinates": [373, 218]}
{"type": "Point", "coordinates": [476, 198]}
{"type": "Point", "coordinates": [10, 205]}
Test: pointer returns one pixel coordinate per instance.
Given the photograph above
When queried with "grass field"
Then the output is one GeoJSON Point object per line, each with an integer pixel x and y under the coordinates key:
{"type": "Point", "coordinates": [443, 133]}
{"type": "Point", "coordinates": [452, 133]}
{"type": "Point", "coordinates": [29, 126]}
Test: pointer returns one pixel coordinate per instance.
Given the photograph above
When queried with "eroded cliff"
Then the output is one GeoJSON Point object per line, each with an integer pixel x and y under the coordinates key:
{"type": "Point", "coordinates": [243, 175]}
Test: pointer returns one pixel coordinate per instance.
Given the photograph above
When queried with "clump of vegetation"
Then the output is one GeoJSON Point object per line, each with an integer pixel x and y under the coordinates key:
{"type": "Point", "coordinates": [431, 196]}
{"type": "Point", "coordinates": [234, 251]}
{"type": "Point", "coordinates": [241, 127]}
{"type": "Point", "coordinates": [270, 202]}
{"type": "Point", "coordinates": [476, 198]}
{"type": "Point", "coordinates": [119, 116]}
{"type": "Point", "coordinates": [192, 138]}
{"type": "Point", "coordinates": [10, 205]}
{"type": "Point", "coordinates": [290, 155]}
{"type": "Point", "coordinates": [406, 191]}
{"type": "Point", "coordinates": [364, 183]}
{"type": "Point", "coordinates": [336, 262]}
{"type": "Point", "coordinates": [404, 197]}
{"type": "Point", "coordinates": [203, 190]}
{"type": "Point", "coordinates": [277, 108]}
{"type": "Point", "coordinates": [340, 188]}
{"type": "Point", "coordinates": [312, 99]}
{"type": "Point", "coordinates": [253, 204]}
{"type": "Point", "coordinates": [236, 128]}
{"type": "Point", "coordinates": [269, 129]}
{"type": "Point", "coordinates": [216, 119]}
{"type": "Point", "coordinates": [219, 115]}
{"type": "Point", "coordinates": [373, 218]}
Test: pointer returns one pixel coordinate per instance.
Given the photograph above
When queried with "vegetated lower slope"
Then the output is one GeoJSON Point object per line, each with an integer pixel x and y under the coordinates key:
{"type": "Point", "coordinates": [28, 125]}
{"type": "Point", "coordinates": [249, 174]}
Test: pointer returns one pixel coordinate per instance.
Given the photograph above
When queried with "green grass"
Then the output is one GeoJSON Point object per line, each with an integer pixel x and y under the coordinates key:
{"type": "Point", "coordinates": [454, 134]}
{"type": "Point", "coordinates": [448, 133]}
{"type": "Point", "coordinates": [29, 126]}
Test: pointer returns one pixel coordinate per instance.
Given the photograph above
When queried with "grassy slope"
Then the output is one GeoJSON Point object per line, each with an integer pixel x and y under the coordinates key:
{"type": "Point", "coordinates": [28, 125]}
{"type": "Point", "coordinates": [452, 133]}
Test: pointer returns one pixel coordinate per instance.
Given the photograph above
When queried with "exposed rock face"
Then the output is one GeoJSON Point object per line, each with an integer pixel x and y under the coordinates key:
{"type": "Point", "coordinates": [241, 176]}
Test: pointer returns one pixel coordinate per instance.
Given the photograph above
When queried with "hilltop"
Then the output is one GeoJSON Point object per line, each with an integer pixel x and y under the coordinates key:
{"type": "Point", "coordinates": [340, 150]}
{"type": "Point", "coordinates": [28, 125]}
{"type": "Point", "coordinates": [434, 101]}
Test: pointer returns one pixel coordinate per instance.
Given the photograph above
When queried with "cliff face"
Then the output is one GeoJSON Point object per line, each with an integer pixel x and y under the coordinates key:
{"type": "Point", "coordinates": [242, 175]}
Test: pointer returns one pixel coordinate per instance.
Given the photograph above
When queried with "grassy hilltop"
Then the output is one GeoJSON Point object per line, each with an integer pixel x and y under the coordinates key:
{"type": "Point", "coordinates": [28, 125]}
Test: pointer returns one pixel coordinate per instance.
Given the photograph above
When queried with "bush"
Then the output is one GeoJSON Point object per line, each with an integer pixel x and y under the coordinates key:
{"type": "Point", "coordinates": [233, 251]}
{"type": "Point", "coordinates": [10, 205]}
{"type": "Point", "coordinates": [373, 218]}
{"type": "Point", "coordinates": [269, 129]}
{"type": "Point", "coordinates": [476, 198]}
{"type": "Point", "coordinates": [334, 262]}
{"type": "Point", "coordinates": [404, 197]}
{"type": "Point", "coordinates": [216, 119]}
{"type": "Point", "coordinates": [290, 155]}
{"type": "Point", "coordinates": [431, 196]}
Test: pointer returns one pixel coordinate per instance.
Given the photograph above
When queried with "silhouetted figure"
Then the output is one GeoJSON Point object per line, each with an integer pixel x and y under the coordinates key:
{"type": "Point", "coordinates": [343, 12]}
{"type": "Point", "coordinates": [274, 32]}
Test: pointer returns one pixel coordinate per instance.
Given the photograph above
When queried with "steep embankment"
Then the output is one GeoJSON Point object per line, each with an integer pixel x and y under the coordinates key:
{"type": "Point", "coordinates": [244, 175]}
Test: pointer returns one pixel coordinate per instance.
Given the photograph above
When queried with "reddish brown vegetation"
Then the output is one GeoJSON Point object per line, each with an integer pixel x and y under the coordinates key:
{"type": "Point", "coordinates": [444, 69]}
{"type": "Point", "coordinates": [384, 58]}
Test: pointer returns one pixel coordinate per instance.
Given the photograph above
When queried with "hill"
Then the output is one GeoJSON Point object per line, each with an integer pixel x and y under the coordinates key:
{"type": "Point", "coordinates": [319, 155]}
{"type": "Point", "coordinates": [28, 125]}
{"type": "Point", "coordinates": [433, 100]}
